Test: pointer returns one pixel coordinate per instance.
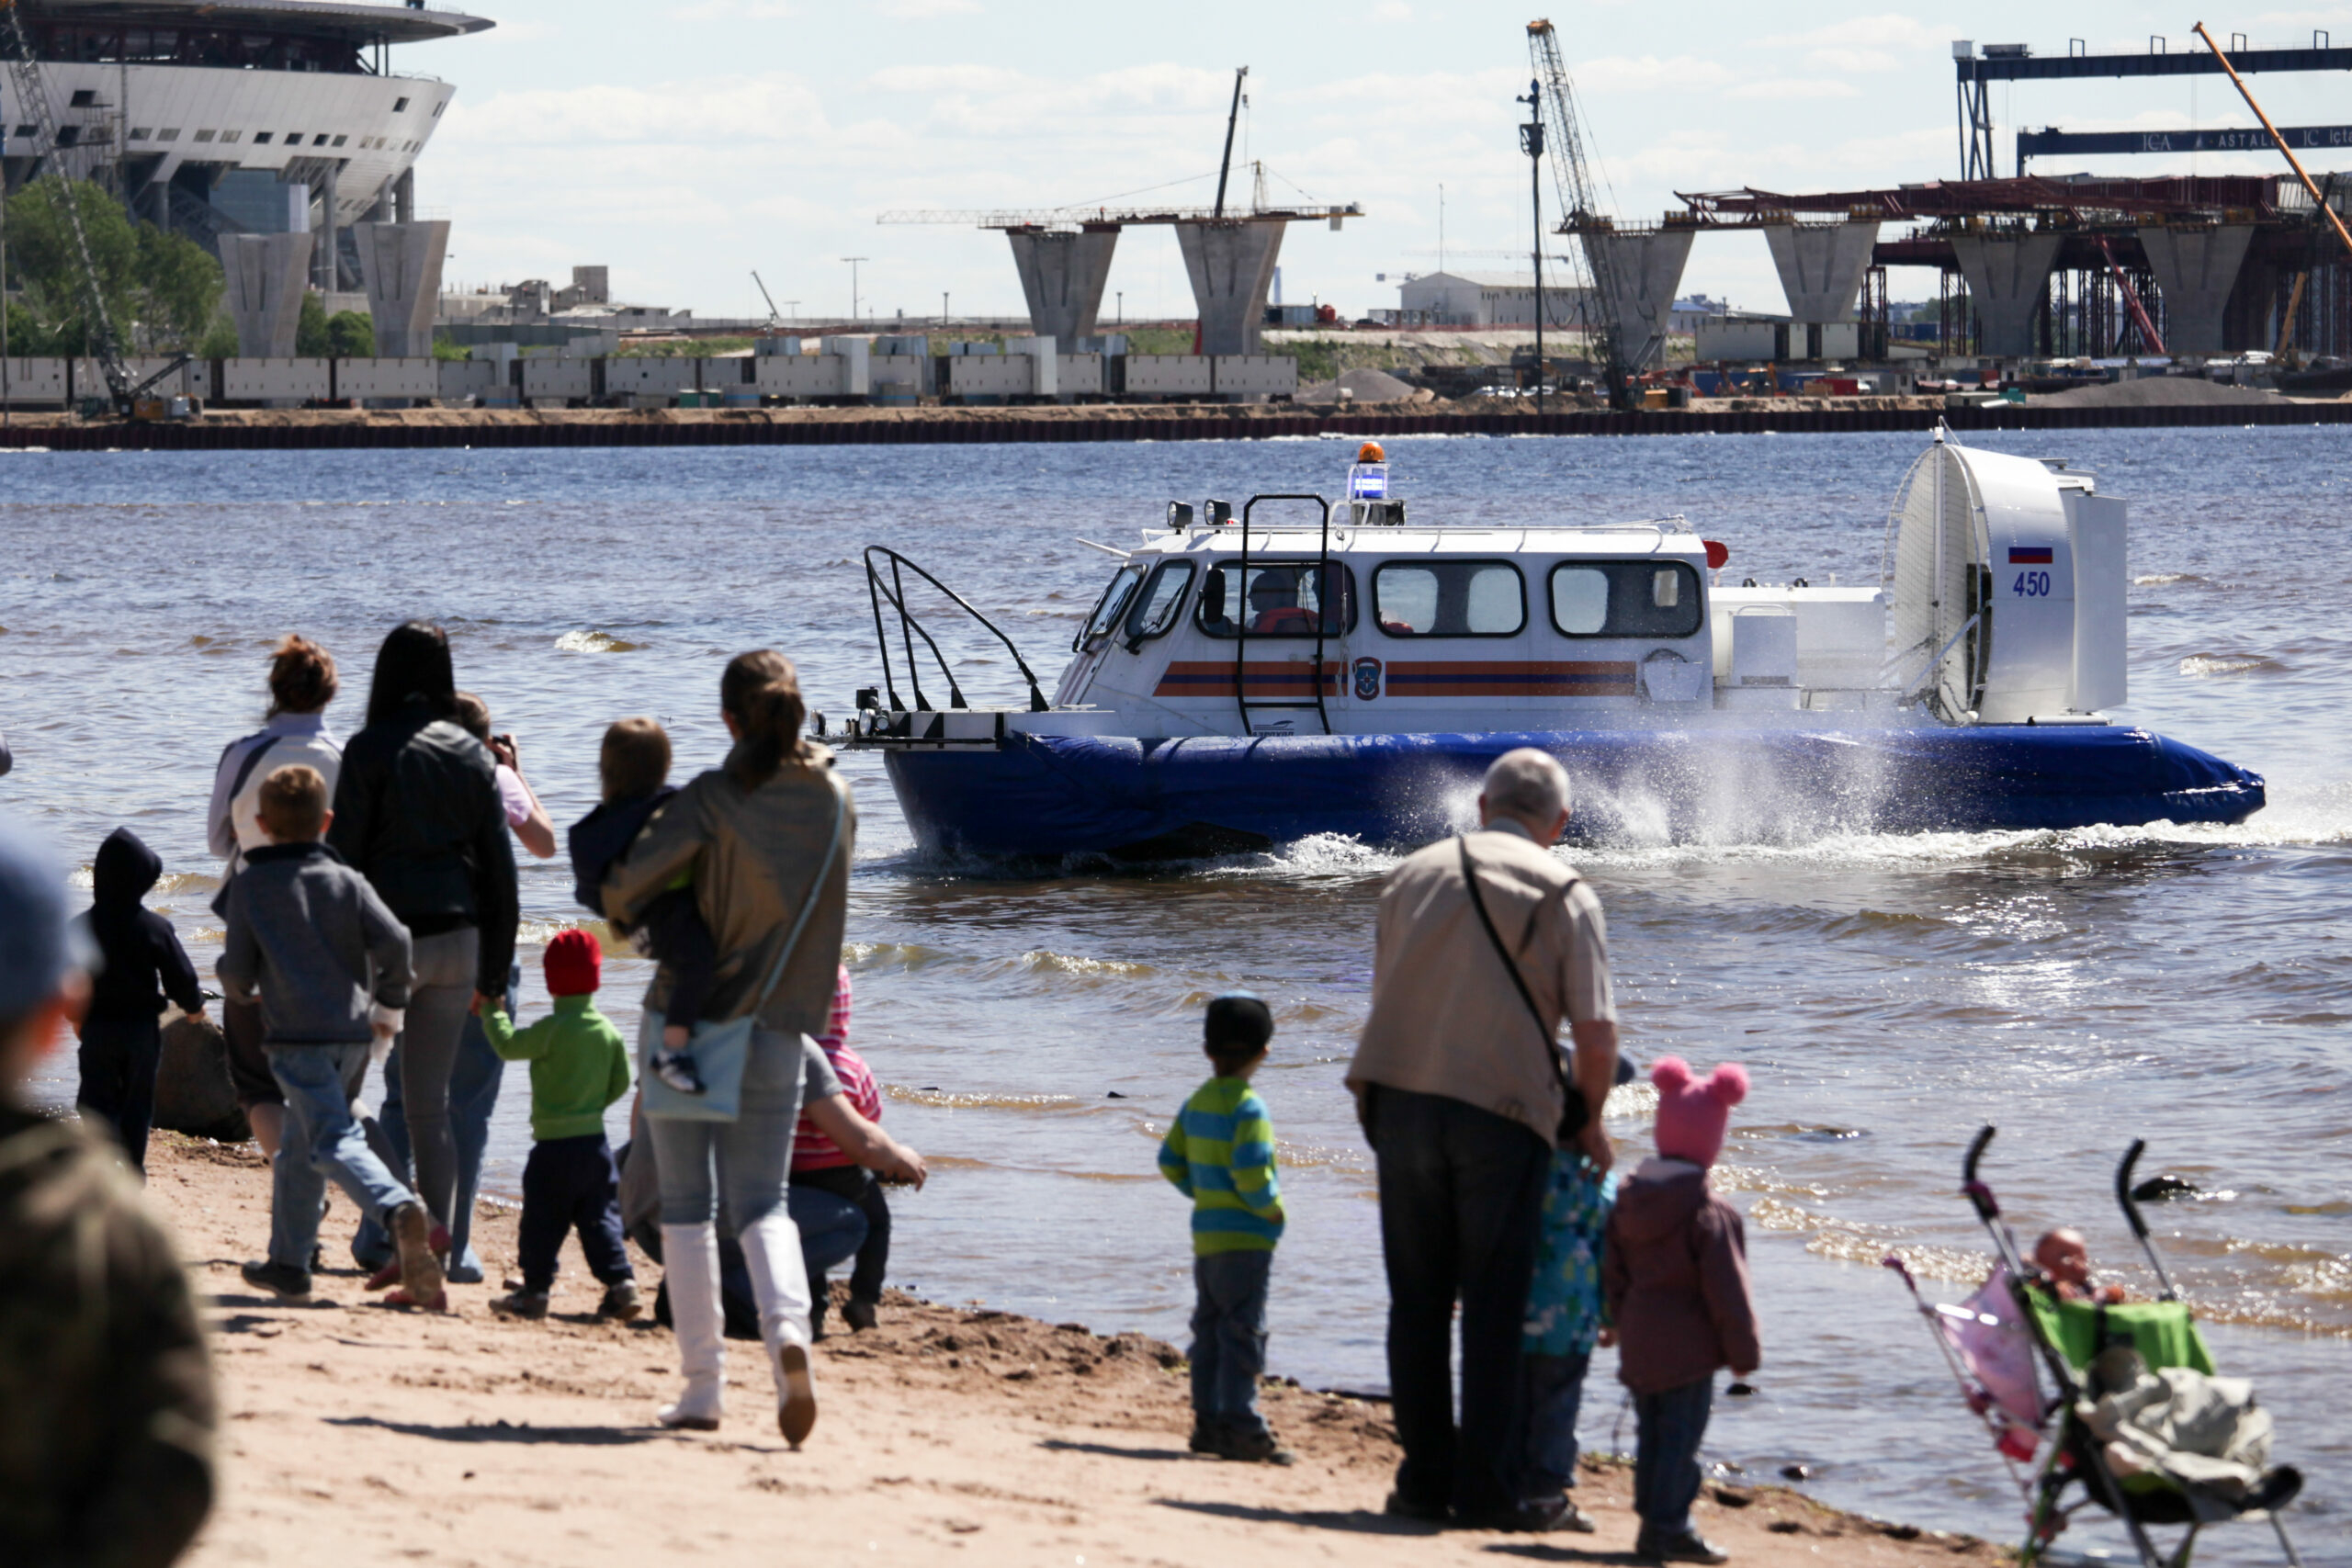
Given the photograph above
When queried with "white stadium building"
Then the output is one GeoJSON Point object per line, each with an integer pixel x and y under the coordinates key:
{"type": "Point", "coordinates": [224, 117]}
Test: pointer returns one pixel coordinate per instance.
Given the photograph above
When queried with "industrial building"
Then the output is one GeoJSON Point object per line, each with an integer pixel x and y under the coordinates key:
{"type": "Point", "coordinates": [1487, 300]}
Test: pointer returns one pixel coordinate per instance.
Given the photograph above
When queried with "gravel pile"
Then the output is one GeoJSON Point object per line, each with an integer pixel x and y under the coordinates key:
{"type": "Point", "coordinates": [1362, 385]}
{"type": "Point", "coordinates": [2156, 393]}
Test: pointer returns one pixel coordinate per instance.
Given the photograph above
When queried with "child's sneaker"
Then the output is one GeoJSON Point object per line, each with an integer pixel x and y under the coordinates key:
{"type": "Point", "coordinates": [620, 1303]}
{"type": "Point", "coordinates": [522, 1304]}
{"type": "Point", "coordinates": [1208, 1437]}
{"type": "Point", "coordinates": [677, 1069]}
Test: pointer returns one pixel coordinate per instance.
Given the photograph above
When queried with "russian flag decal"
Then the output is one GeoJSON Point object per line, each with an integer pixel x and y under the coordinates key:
{"type": "Point", "coordinates": [2030, 554]}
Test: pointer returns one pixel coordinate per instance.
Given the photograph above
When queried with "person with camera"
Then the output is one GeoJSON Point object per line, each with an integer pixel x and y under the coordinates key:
{"type": "Point", "coordinates": [1486, 941]}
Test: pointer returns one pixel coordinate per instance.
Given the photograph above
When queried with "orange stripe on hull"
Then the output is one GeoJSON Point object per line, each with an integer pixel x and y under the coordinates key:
{"type": "Point", "coordinates": [1205, 679]}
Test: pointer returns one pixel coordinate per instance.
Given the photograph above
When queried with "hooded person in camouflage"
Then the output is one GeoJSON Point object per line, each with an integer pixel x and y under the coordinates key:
{"type": "Point", "coordinates": [106, 1450]}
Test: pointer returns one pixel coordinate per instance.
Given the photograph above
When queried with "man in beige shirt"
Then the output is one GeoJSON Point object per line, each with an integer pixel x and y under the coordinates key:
{"type": "Point", "coordinates": [1459, 1087]}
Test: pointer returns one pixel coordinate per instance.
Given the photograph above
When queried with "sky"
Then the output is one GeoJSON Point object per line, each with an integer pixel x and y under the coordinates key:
{"type": "Point", "coordinates": [688, 144]}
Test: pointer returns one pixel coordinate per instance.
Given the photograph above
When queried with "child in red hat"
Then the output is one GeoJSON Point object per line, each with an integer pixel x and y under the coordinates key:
{"type": "Point", "coordinates": [1675, 1273]}
{"type": "Point", "coordinates": [579, 1065]}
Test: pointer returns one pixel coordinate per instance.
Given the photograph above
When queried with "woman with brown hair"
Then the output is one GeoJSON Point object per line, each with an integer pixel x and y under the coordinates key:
{"type": "Point", "coordinates": [302, 683]}
{"type": "Point", "coordinates": [767, 839]}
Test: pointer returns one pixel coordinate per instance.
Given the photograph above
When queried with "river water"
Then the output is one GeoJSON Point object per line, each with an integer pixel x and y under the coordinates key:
{"type": "Point", "coordinates": [1888, 994]}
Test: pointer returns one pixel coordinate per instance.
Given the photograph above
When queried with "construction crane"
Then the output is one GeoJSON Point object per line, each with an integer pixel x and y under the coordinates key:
{"type": "Point", "coordinates": [32, 98]}
{"type": "Point", "coordinates": [1581, 214]}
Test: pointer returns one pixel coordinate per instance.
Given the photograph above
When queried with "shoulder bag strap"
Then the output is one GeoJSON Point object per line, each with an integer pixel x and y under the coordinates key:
{"type": "Point", "coordinates": [245, 769]}
{"type": "Point", "coordinates": [815, 891]}
{"type": "Point", "coordinates": [1510, 965]}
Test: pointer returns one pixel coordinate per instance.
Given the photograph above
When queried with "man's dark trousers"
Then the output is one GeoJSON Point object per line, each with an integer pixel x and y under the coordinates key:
{"type": "Point", "coordinates": [571, 1184]}
{"type": "Point", "coordinates": [1461, 1200]}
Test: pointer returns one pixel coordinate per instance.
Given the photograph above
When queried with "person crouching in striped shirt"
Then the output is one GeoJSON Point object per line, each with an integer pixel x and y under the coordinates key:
{"type": "Point", "coordinates": [1220, 1154]}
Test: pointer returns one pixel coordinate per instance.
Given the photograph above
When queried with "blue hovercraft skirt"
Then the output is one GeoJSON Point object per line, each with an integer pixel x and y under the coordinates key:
{"type": "Point", "coordinates": [1055, 795]}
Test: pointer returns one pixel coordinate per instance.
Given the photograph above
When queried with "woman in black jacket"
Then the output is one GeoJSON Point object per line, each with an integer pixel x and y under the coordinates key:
{"type": "Point", "coordinates": [417, 813]}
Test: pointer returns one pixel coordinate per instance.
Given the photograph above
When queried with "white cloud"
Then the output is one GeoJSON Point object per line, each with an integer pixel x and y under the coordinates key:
{"type": "Point", "coordinates": [1392, 11]}
{"type": "Point", "coordinates": [1647, 74]}
{"type": "Point", "coordinates": [736, 11]}
{"type": "Point", "coordinates": [1803, 89]}
{"type": "Point", "coordinates": [924, 10]}
{"type": "Point", "coordinates": [1889, 29]}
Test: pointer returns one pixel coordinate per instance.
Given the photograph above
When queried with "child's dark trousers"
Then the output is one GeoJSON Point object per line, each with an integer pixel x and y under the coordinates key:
{"type": "Point", "coordinates": [571, 1184]}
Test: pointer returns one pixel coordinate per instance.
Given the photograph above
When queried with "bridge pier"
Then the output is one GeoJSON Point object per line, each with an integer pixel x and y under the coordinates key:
{"type": "Point", "coordinates": [399, 264]}
{"type": "Point", "coordinates": [1062, 275]}
{"type": "Point", "coordinates": [2196, 269]}
{"type": "Point", "coordinates": [1646, 272]}
{"type": "Point", "coordinates": [1821, 266]}
{"type": "Point", "coordinates": [265, 273]}
{"type": "Point", "coordinates": [2008, 278]}
{"type": "Point", "coordinates": [1231, 264]}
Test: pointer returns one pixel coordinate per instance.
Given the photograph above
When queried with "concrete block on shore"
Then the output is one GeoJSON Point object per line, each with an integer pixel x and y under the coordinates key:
{"type": "Point", "coordinates": [1170, 376]}
{"type": "Point", "coordinates": [637, 376]}
{"type": "Point", "coordinates": [1254, 376]}
{"type": "Point", "coordinates": [283, 382]}
{"type": "Point", "coordinates": [395, 379]}
{"type": "Point", "coordinates": [559, 378]}
{"type": "Point", "coordinates": [35, 381]}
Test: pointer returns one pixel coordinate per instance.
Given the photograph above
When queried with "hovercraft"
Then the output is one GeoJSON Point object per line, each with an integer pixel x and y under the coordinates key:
{"type": "Point", "coordinates": [1317, 667]}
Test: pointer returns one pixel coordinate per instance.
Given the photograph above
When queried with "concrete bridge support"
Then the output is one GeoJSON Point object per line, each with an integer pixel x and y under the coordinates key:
{"type": "Point", "coordinates": [1646, 272]}
{"type": "Point", "coordinates": [2008, 278]}
{"type": "Point", "coordinates": [1232, 265]}
{"type": "Point", "coordinates": [2196, 269]}
{"type": "Point", "coordinates": [266, 276]}
{"type": "Point", "coordinates": [399, 263]}
{"type": "Point", "coordinates": [1821, 266]}
{"type": "Point", "coordinates": [1062, 274]}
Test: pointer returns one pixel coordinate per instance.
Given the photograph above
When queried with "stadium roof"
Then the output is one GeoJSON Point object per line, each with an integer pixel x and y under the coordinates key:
{"type": "Point", "coordinates": [323, 18]}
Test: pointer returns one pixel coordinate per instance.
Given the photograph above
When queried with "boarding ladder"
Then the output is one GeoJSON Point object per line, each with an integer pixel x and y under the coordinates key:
{"type": "Point", "coordinates": [1323, 585]}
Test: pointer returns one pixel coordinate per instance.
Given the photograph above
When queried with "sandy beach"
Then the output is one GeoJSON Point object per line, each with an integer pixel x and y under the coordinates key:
{"type": "Point", "coordinates": [369, 1434]}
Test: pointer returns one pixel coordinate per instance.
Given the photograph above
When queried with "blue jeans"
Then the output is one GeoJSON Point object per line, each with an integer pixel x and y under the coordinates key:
{"type": "Point", "coordinates": [741, 1163]}
{"type": "Point", "coordinates": [1665, 1467]}
{"type": "Point", "coordinates": [832, 1230]}
{"type": "Point", "coordinates": [1555, 1387]}
{"type": "Point", "coordinates": [474, 1082]}
{"type": "Point", "coordinates": [323, 1142]}
{"type": "Point", "coordinates": [1230, 1336]}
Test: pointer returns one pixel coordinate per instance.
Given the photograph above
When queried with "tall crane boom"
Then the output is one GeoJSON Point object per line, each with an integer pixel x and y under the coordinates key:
{"type": "Point", "coordinates": [1581, 212]}
{"type": "Point", "coordinates": [32, 97]}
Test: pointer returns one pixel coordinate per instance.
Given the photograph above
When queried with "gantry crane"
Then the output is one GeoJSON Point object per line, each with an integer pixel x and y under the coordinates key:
{"type": "Point", "coordinates": [1581, 214]}
{"type": "Point", "coordinates": [32, 99]}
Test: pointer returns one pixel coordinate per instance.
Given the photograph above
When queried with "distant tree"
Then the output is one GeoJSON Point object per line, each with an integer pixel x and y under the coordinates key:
{"type": "Point", "coordinates": [351, 335]}
{"type": "Point", "coordinates": [160, 290]}
{"type": "Point", "coordinates": [220, 340]}
{"type": "Point", "coordinates": [311, 338]}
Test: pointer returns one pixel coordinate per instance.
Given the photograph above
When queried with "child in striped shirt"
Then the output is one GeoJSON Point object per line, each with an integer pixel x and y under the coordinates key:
{"type": "Point", "coordinates": [818, 1162]}
{"type": "Point", "coordinates": [1220, 1154]}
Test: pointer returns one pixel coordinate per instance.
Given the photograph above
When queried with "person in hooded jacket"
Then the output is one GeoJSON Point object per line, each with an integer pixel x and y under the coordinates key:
{"type": "Point", "coordinates": [142, 964]}
{"type": "Point", "coordinates": [1674, 1269]}
{"type": "Point", "coordinates": [417, 813]}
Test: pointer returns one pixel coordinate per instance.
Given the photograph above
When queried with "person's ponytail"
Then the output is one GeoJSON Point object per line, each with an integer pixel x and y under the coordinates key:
{"type": "Point", "coordinates": [761, 691]}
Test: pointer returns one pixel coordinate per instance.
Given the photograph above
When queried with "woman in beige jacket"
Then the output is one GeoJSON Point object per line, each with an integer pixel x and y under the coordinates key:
{"type": "Point", "coordinates": [754, 836]}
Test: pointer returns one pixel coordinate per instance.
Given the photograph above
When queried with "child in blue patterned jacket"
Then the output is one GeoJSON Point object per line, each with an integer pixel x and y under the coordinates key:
{"type": "Point", "coordinates": [1565, 1317]}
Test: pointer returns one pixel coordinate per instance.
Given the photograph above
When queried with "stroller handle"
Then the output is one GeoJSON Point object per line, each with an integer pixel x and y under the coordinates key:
{"type": "Point", "coordinates": [2124, 1187]}
{"type": "Point", "coordinates": [2130, 1207]}
{"type": "Point", "coordinates": [1975, 1192]}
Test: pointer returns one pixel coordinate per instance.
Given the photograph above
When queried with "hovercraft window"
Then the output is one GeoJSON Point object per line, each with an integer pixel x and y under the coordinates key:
{"type": "Point", "coordinates": [1163, 599]}
{"type": "Point", "coordinates": [1626, 598]}
{"type": "Point", "coordinates": [1283, 599]}
{"type": "Point", "coordinates": [1109, 608]}
{"type": "Point", "coordinates": [1469, 598]}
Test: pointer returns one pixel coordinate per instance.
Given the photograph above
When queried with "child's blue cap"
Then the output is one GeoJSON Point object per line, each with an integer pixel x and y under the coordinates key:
{"type": "Point", "coordinates": [35, 946]}
{"type": "Point", "coordinates": [1239, 1021]}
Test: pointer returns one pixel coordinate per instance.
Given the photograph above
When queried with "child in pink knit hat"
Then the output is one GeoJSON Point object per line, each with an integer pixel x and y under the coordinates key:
{"type": "Point", "coordinates": [1675, 1273]}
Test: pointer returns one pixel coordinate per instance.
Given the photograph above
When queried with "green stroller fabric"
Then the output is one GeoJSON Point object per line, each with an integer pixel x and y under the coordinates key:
{"type": "Point", "coordinates": [2163, 1332]}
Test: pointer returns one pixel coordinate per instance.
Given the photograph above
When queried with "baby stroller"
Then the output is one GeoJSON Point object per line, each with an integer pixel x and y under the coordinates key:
{"type": "Point", "coordinates": [2119, 1406]}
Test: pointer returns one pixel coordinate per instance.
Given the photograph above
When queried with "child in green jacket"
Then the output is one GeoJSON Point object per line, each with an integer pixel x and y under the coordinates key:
{"type": "Point", "coordinates": [579, 1065]}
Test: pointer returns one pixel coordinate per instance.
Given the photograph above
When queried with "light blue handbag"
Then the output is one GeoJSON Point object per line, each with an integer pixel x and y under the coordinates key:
{"type": "Point", "coordinates": [722, 1050]}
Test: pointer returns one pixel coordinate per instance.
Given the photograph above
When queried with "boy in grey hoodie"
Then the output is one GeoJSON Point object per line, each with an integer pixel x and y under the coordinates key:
{"type": "Point", "coordinates": [331, 967]}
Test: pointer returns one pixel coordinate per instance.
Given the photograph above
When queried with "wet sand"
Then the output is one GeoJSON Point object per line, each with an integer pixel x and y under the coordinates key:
{"type": "Point", "coordinates": [374, 1435]}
